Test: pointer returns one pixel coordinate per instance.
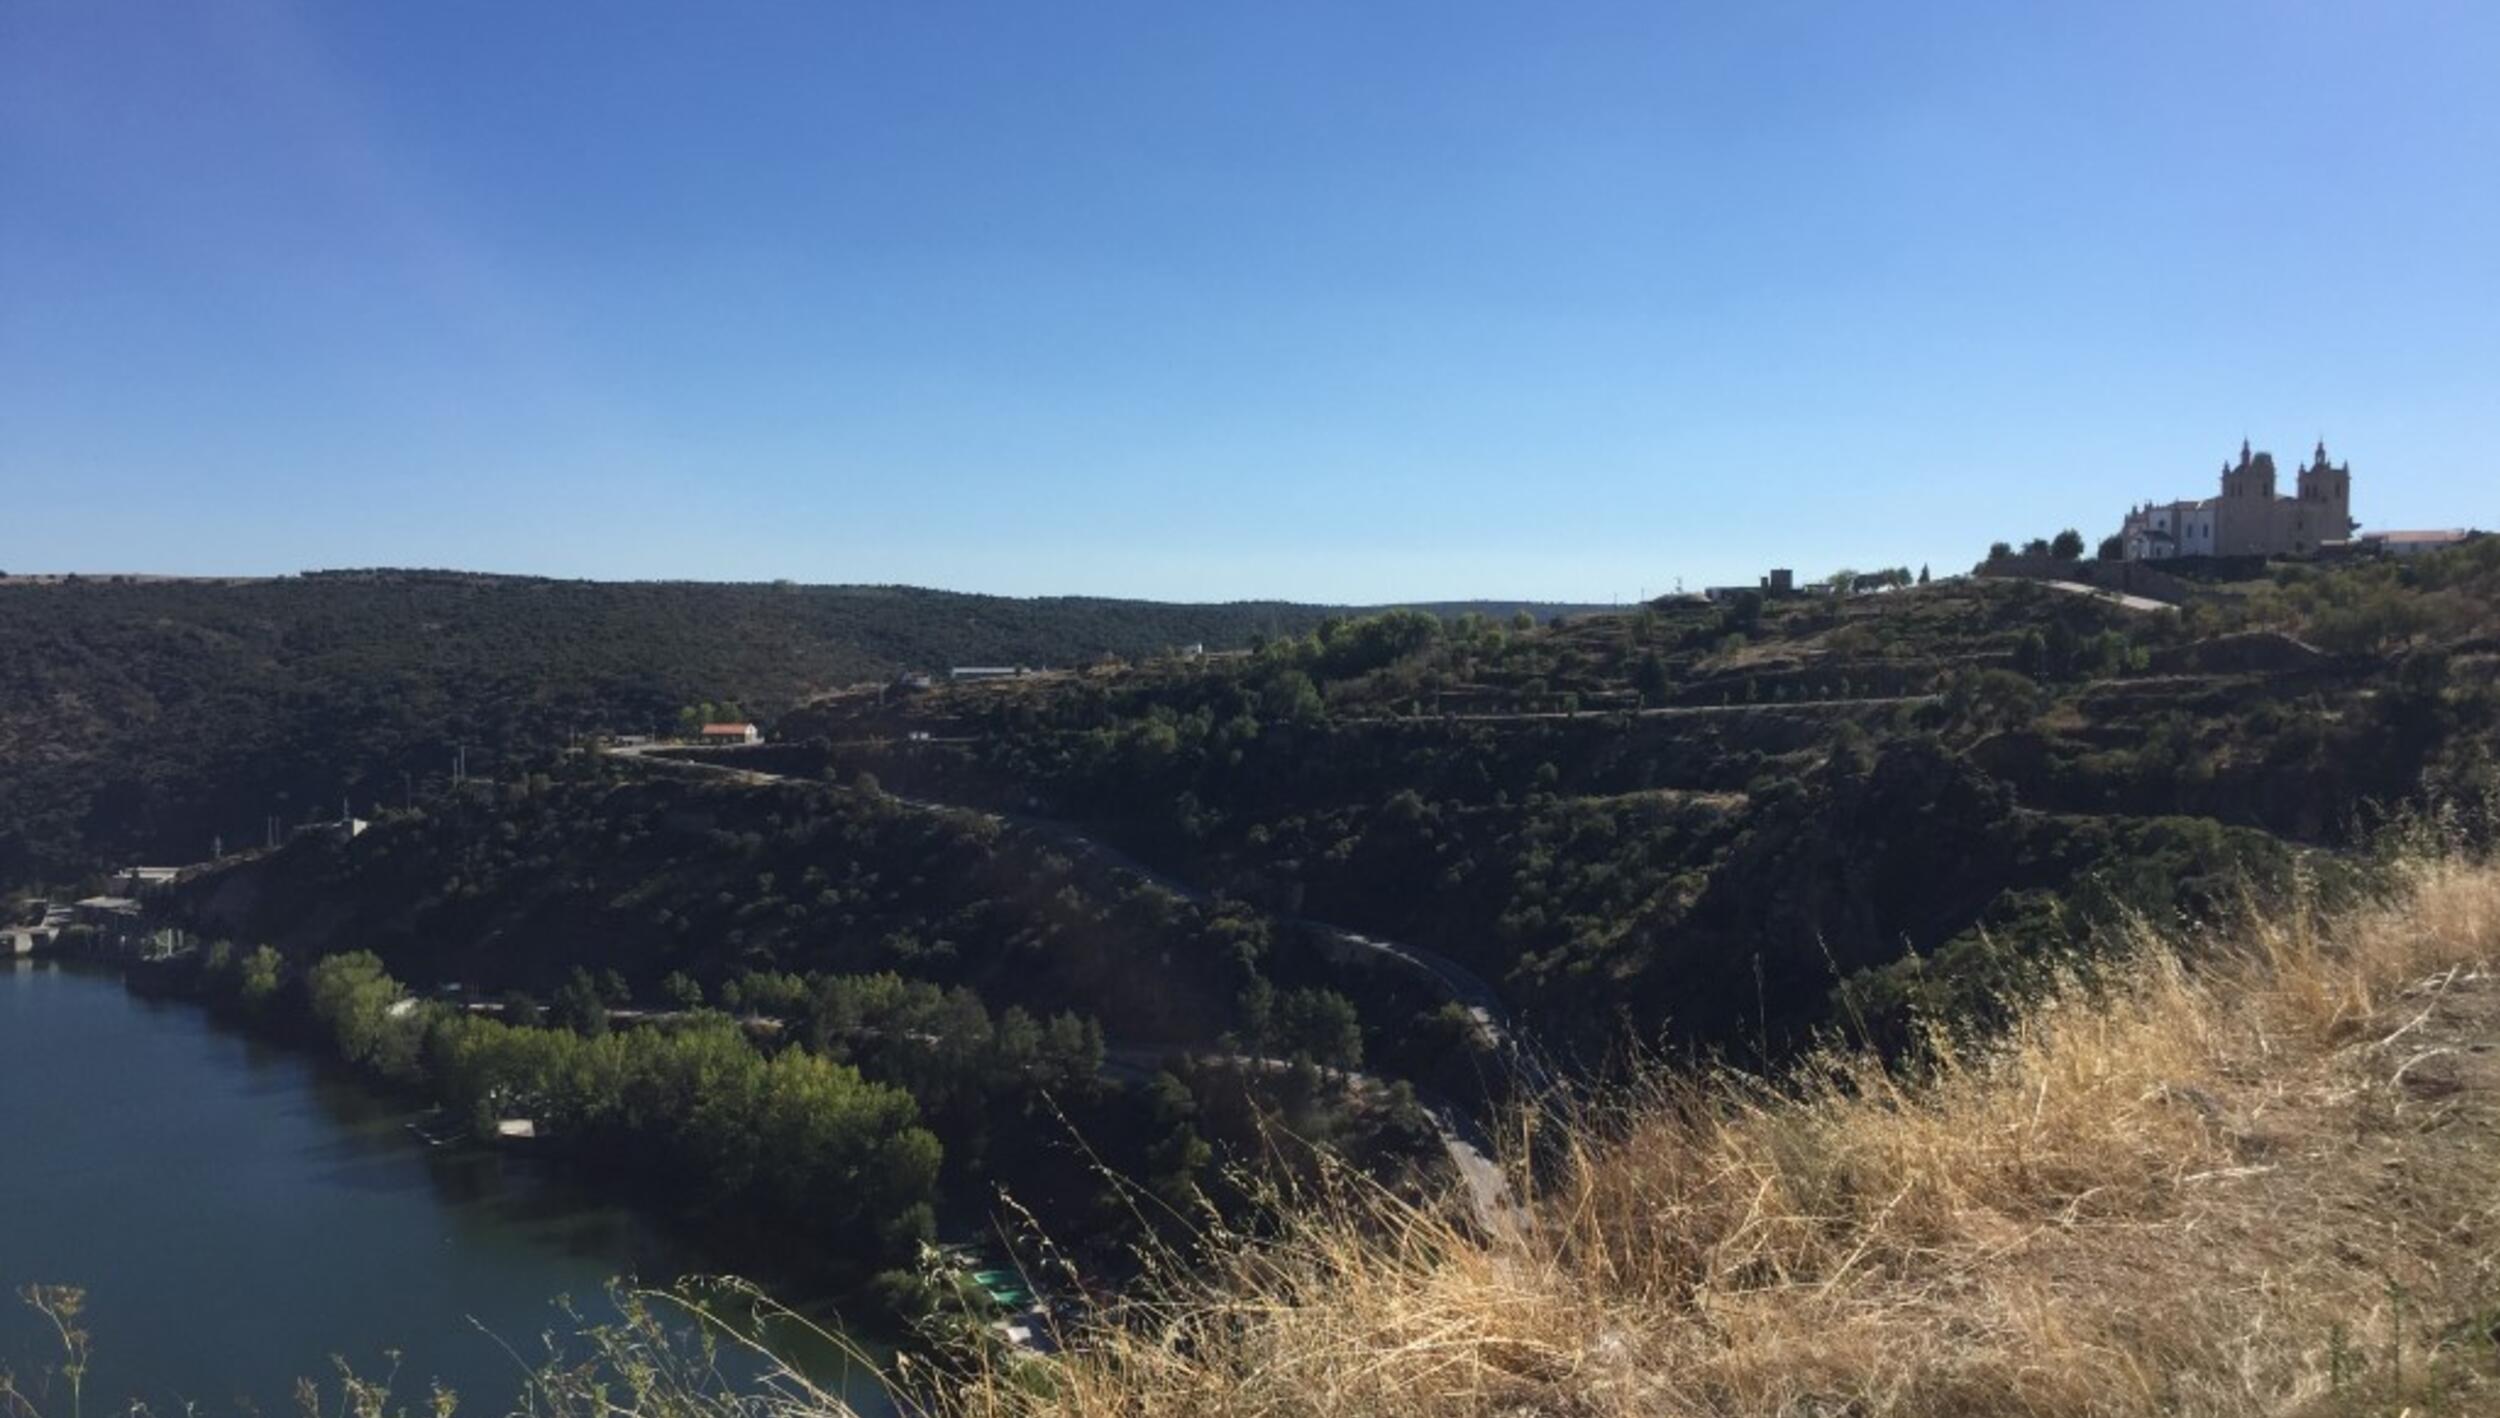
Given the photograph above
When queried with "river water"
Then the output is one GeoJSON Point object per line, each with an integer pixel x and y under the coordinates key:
{"type": "Point", "coordinates": [238, 1213]}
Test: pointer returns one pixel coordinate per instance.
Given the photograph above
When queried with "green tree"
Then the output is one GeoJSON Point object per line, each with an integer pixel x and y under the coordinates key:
{"type": "Point", "coordinates": [1321, 1024]}
{"type": "Point", "coordinates": [1650, 679]}
{"type": "Point", "coordinates": [1179, 1158]}
{"type": "Point", "coordinates": [2031, 653]}
{"type": "Point", "coordinates": [365, 1012]}
{"type": "Point", "coordinates": [1991, 699]}
{"type": "Point", "coordinates": [682, 990]}
{"type": "Point", "coordinates": [579, 1005]}
{"type": "Point", "coordinates": [259, 975]}
{"type": "Point", "coordinates": [2067, 545]}
{"type": "Point", "coordinates": [1291, 696]}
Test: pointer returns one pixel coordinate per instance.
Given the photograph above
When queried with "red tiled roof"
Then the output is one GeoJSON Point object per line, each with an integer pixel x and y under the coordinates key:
{"type": "Point", "coordinates": [728, 728]}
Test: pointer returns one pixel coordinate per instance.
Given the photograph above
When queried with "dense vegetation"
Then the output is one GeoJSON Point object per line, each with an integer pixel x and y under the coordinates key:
{"type": "Point", "coordinates": [1090, 930]}
{"type": "Point", "coordinates": [1069, 1032]}
{"type": "Point", "coordinates": [1729, 824]}
{"type": "Point", "coordinates": [785, 1148]}
{"type": "Point", "coordinates": [148, 717]}
{"type": "Point", "coordinates": [512, 886]}
{"type": "Point", "coordinates": [2092, 1213]}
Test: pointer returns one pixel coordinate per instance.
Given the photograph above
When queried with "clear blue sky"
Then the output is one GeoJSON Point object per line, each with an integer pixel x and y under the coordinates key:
{"type": "Point", "coordinates": [1335, 301]}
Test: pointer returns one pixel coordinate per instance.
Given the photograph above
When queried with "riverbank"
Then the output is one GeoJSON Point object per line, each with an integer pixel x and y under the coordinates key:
{"type": "Point", "coordinates": [238, 1212]}
{"type": "Point", "coordinates": [744, 1153]}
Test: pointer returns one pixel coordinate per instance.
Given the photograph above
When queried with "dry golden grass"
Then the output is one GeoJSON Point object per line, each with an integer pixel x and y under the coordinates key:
{"type": "Point", "coordinates": [2263, 1185]}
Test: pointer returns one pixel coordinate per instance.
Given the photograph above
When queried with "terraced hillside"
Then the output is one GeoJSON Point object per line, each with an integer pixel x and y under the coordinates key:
{"type": "Point", "coordinates": [1144, 930]}
{"type": "Point", "coordinates": [1732, 824]}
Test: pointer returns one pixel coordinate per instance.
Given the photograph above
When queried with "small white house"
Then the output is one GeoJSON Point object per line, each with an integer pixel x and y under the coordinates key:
{"type": "Point", "coordinates": [732, 733]}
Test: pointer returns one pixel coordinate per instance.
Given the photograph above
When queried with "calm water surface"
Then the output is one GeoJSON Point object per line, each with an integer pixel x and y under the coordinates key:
{"type": "Point", "coordinates": [239, 1213]}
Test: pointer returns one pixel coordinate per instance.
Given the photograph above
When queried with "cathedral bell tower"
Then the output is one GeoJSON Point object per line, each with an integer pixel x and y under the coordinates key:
{"type": "Point", "coordinates": [2251, 478]}
{"type": "Point", "coordinates": [2326, 497]}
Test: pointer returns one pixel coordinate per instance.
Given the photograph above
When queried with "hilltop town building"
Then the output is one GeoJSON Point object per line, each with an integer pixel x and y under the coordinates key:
{"type": "Point", "coordinates": [1782, 581]}
{"type": "Point", "coordinates": [2248, 518]}
{"type": "Point", "coordinates": [2416, 543]}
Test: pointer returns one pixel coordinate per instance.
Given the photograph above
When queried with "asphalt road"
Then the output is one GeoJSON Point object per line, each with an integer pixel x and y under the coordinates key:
{"type": "Point", "coordinates": [1470, 1152]}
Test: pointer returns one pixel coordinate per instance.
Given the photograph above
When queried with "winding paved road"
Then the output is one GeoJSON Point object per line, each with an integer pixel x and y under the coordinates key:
{"type": "Point", "coordinates": [1469, 1150]}
{"type": "Point", "coordinates": [1655, 711]}
{"type": "Point", "coordinates": [1460, 984]}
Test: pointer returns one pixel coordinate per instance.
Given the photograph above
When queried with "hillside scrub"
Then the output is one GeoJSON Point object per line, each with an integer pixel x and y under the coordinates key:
{"type": "Point", "coordinates": [2378, 606]}
{"type": "Point", "coordinates": [1909, 791]}
{"type": "Point", "coordinates": [148, 718]}
{"type": "Point", "coordinates": [2246, 1172]}
{"type": "Point", "coordinates": [2243, 1171]}
{"type": "Point", "coordinates": [1028, 1003]}
{"type": "Point", "coordinates": [512, 888]}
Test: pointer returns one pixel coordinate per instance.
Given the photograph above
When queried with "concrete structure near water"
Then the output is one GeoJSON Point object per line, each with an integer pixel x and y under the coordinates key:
{"type": "Point", "coordinates": [40, 938]}
{"type": "Point", "coordinates": [145, 881]}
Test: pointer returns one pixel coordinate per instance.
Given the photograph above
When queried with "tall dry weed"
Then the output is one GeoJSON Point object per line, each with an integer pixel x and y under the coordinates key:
{"type": "Point", "coordinates": [2201, 1182]}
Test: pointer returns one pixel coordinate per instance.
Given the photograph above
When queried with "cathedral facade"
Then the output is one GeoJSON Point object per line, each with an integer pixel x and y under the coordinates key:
{"type": "Point", "coordinates": [2249, 517]}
